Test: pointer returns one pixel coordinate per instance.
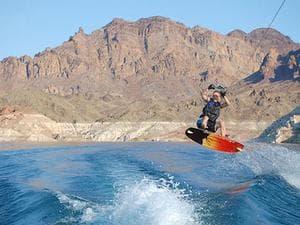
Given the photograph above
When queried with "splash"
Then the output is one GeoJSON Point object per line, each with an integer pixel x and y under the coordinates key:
{"type": "Point", "coordinates": [147, 202]}
{"type": "Point", "coordinates": [154, 202]}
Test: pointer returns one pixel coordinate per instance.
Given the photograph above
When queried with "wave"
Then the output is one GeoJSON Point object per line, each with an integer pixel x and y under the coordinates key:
{"type": "Point", "coordinates": [154, 202]}
{"type": "Point", "coordinates": [263, 158]}
{"type": "Point", "coordinates": [147, 202]}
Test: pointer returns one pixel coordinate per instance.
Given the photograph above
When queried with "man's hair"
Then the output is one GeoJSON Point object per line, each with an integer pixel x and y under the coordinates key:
{"type": "Point", "coordinates": [216, 91]}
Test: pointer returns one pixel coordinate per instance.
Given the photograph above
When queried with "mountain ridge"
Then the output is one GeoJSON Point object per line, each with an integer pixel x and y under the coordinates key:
{"type": "Point", "coordinates": [154, 69]}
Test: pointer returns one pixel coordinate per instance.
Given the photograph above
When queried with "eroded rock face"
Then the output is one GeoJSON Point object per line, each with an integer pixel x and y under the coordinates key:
{"type": "Point", "coordinates": [9, 115]}
{"type": "Point", "coordinates": [276, 67]}
{"type": "Point", "coordinates": [150, 48]}
{"type": "Point", "coordinates": [285, 129]}
{"type": "Point", "coordinates": [267, 68]}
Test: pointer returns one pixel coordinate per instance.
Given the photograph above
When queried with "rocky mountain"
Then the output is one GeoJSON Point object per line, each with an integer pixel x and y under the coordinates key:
{"type": "Point", "coordinates": [154, 69]}
{"type": "Point", "coordinates": [148, 48]}
{"type": "Point", "coordinates": [266, 38]}
{"type": "Point", "coordinates": [152, 48]}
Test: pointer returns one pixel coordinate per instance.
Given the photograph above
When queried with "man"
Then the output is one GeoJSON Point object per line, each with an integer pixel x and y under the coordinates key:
{"type": "Point", "coordinates": [211, 111]}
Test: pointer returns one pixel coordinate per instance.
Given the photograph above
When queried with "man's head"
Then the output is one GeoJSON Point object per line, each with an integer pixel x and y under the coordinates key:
{"type": "Point", "coordinates": [216, 96]}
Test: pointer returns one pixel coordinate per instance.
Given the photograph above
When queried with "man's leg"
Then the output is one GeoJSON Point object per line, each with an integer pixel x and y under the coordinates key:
{"type": "Point", "coordinates": [199, 122]}
{"type": "Point", "coordinates": [204, 122]}
{"type": "Point", "coordinates": [221, 125]}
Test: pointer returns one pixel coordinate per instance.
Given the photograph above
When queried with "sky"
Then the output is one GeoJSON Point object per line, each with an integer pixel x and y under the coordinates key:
{"type": "Point", "coordinates": [29, 26]}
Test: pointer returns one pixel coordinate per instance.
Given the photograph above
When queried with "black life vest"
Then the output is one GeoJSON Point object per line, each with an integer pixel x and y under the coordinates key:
{"type": "Point", "coordinates": [212, 110]}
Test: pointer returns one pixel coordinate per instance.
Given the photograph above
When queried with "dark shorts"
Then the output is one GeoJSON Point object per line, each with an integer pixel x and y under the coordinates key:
{"type": "Point", "coordinates": [211, 126]}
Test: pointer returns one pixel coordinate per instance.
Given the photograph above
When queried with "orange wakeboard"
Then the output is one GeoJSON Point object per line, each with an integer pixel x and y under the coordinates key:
{"type": "Point", "coordinates": [213, 140]}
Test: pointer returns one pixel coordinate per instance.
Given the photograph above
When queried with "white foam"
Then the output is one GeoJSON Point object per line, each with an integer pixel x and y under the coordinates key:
{"type": "Point", "coordinates": [146, 202]}
{"type": "Point", "coordinates": [88, 215]}
{"type": "Point", "coordinates": [153, 202]}
{"type": "Point", "coordinates": [292, 179]}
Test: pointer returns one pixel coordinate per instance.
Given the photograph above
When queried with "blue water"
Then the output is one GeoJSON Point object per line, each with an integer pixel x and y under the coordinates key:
{"type": "Point", "coordinates": [150, 183]}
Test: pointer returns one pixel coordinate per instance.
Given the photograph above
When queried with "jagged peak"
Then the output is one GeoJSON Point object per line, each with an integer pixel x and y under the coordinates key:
{"type": "Point", "coordinates": [25, 58]}
{"type": "Point", "coordinates": [159, 19]}
{"type": "Point", "coordinates": [8, 59]}
{"type": "Point", "coordinates": [155, 18]}
{"type": "Point", "coordinates": [80, 32]}
{"type": "Point", "coordinates": [116, 21]}
{"type": "Point", "coordinates": [78, 35]}
{"type": "Point", "coordinates": [146, 20]}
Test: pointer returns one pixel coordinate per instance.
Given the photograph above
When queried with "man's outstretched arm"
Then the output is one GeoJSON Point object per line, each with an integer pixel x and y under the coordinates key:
{"type": "Point", "coordinates": [226, 103]}
{"type": "Point", "coordinates": [204, 96]}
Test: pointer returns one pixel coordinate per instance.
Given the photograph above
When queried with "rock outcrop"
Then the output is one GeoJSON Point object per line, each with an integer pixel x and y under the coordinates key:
{"type": "Point", "coordinates": [267, 68]}
{"type": "Point", "coordinates": [284, 130]}
{"type": "Point", "coordinates": [291, 132]}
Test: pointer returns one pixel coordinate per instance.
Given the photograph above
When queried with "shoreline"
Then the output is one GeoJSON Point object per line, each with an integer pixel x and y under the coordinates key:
{"type": "Point", "coordinates": [22, 146]}
{"type": "Point", "coordinates": [20, 130]}
{"type": "Point", "coordinates": [32, 128]}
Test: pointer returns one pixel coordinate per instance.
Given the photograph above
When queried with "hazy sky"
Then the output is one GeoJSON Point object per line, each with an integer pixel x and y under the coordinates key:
{"type": "Point", "coordinates": [29, 26]}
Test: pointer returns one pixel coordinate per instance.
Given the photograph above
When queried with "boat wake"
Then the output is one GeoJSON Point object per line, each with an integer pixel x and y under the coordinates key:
{"type": "Point", "coordinates": [145, 202]}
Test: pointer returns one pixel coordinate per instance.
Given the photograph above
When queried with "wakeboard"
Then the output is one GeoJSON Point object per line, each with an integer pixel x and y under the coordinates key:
{"type": "Point", "coordinates": [213, 140]}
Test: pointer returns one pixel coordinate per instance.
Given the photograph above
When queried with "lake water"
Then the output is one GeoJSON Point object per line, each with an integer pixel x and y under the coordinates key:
{"type": "Point", "coordinates": [150, 183]}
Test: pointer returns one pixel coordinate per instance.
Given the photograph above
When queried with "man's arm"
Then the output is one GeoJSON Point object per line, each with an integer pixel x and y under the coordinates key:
{"type": "Point", "coordinates": [226, 103]}
{"type": "Point", "coordinates": [204, 96]}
